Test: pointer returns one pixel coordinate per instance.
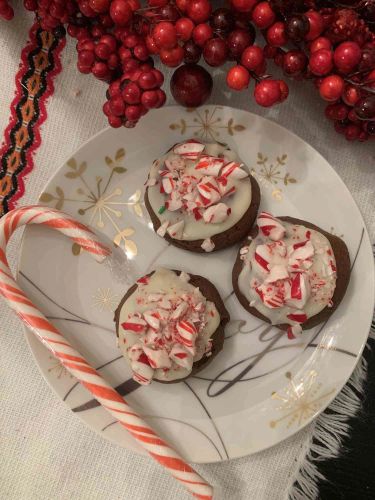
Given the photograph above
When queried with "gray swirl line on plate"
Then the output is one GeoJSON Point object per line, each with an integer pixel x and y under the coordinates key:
{"type": "Point", "coordinates": [172, 420]}
{"type": "Point", "coordinates": [209, 416]}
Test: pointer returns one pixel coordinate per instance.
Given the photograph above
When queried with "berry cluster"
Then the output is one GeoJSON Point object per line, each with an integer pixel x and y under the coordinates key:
{"type": "Point", "coordinates": [132, 95]}
{"type": "Point", "coordinates": [319, 40]}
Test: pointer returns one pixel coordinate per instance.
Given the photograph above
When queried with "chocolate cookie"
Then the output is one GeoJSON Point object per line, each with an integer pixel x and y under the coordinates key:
{"type": "Point", "coordinates": [207, 342]}
{"type": "Point", "coordinates": [201, 199]}
{"type": "Point", "coordinates": [329, 294]}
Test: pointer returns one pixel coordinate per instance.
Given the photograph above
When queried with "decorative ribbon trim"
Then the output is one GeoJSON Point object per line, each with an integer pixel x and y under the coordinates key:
{"type": "Point", "coordinates": [40, 63]}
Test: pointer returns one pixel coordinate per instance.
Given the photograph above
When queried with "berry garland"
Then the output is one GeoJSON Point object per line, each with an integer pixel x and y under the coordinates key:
{"type": "Point", "coordinates": [331, 43]}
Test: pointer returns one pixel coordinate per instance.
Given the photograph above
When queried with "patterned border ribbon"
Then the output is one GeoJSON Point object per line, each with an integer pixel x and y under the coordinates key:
{"type": "Point", "coordinates": [40, 63]}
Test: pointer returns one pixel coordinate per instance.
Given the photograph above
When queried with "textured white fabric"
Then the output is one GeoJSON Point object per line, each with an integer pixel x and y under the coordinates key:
{"type": "Point", "coordinates": [46, 452]}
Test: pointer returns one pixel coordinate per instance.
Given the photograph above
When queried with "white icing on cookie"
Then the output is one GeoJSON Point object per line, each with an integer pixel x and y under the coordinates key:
{"type": "Point", "coordinates": [289, 272]}
{"type": "Point", "coordinates": [204, 185]}
{"type": "Point", "coordinates": [165, 326]}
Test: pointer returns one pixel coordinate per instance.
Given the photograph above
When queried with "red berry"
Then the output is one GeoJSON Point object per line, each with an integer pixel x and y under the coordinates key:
{"type": "Point", "coordinates": [147, 80]}
{"type": "Point", "coordinates": [267, 93]}
{"type": "Point", "coordinates": [86, 58]}
{"type": "Point", "coordinates": [172, 57]}
{"type": "Point", "coordinates": [370, 79]}
{"type": "Point", "coordinates": [100, 70]}
{"type": "Point", "coordinates": [192, 52]}
{"type": "Point", "coordinates": [284, 89]}
{"type": "Point", "coordinates": [151, 45]}
{"type": "Point", "coordinates": [150, 99]}
{"type": "Point", "coordinates": [263, 15]}
{"type": "Point", "coordinates": [165, 35]}
{"type": "Point", "coordinates": [294, 62]}
{"type": "Point", "coordinates": [320, 43]}
{"type": "Point", "coordinates": [120, 12]}
{"type": "Point", "coordinates": [199, 10]}
{"type": "Point", "coordinates": [347, 56]}
{"type": "Point", "coordinates": [131, 93]}
{"type": "Point", "coordinates": [316, 24]}
{"type": "Point", "coordinates": [141, 52]}
{"type": "Point", "coordinates": [114, 121]}
{"type": "Point", "coordinates": [85, 44]}
{"type": "Point", "coordinates": [215, 52]}
{"type": "Point", "coordinates": [352, 116]}
{"type": "Point", "coordinates": [82, 68]}
{"type": "Point", "coordinates": [202, 33]}
{"type": "Point", "coordinates": [237, 42]}
{"type": "Point", "coordinates": [133, 113]}
{"type": "Point", "coordinates": [238, 78]}
{"type": "Point", "coordinates": [331, 87]}
{"type": "Point", "coordinates": [162, 98]}
{"type": "Point", "coordinates": [117, 105]}
{"type": "Point", "coordinates": [184, 28]}
{"type": "Point", "coordinates": [191, 85]}
{"type": "Point", "coordinates": [352, 132]}
{"type": "Point", "coordinates": [130, 65]}
{"type": "Point", "coordinates": [321, 62]}
{"type": "Point", "coordinates": [182, 5]}
{"type": "Point", "coordinates": [102, 51]}
{"type": "Point", "coordinates": [110, 41]}
{"type": "Point", "coordinates": [243, 5]}
{"type": "Point", "coordinates": [158, 76]}
{"type": "Point", "coordinates": [252, 57]}
{"type": "Point", "coordinates": [114, 88]}
{"type": "Point", "coordinates": [336, 111]}
{"type": "Point", "coordinates": [106, 109]}
{"type": "Point", "coordinates": [130, 41]}
{"type": "Point", "coordinates": [276, 34]}
{"type": "Point", "coordinates": [99, 5]}
{"type": "Point", "coordinates": [350, 95]}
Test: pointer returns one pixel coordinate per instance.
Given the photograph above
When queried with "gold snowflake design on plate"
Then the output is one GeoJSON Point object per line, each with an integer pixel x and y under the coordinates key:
{"type": "Point", "coordinates": [105, 300]}
{"type": "Point", "coordinates": [58, 369]}
{"type": "Point", "coordinates": [206, 124]}
{"type": "Point", "coordinates": [99, 201]}
{"type": "Point", "coordinates": [300, 401]}
{"type": "Point", "coordinates": [273, 174]}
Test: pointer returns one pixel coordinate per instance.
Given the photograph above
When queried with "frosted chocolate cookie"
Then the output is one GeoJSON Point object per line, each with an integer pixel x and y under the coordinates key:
{"type": "Point", "coordinates": [200, 197]}
{"type": "Point", "coordinates": [291, 273]}
{"type": "Point", "coordinates": [169, 325]}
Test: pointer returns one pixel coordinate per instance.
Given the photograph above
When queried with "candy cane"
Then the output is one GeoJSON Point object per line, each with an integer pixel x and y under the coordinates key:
{"type": "Point", "coordinates": [71, 359]}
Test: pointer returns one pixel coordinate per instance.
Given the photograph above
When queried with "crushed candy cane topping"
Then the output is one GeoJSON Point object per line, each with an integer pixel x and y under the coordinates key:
{"type": "Point", "coordinates": [198, 184]}
{"type": "Point", "coordinates": [290, 273]}
{"type": "Point", "coordinates": [166, 333]}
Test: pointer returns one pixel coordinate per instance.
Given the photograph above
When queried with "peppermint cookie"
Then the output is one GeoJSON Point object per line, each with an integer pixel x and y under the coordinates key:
{"type": "Point", "coordinates": [291, 273]}
{"type": "Point", "coordinates": [200, 197]}
{"type": "Point", "coordinates": [169, 325]}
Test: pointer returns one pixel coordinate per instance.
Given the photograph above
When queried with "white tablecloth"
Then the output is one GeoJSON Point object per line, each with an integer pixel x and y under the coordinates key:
{"type": "Point", "coordinates": [46, 451]}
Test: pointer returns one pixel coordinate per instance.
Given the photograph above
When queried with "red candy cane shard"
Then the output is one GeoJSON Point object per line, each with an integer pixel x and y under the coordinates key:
{"type": "Point", "coordinates": [72, 359]}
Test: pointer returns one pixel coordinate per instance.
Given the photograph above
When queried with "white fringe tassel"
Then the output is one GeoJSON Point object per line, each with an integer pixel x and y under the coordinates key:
{"type": "Point", "coordinates": [329, 429]}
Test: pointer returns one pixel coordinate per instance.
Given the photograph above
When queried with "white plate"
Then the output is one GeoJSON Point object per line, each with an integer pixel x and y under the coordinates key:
{"type": "Point", "coordinates": [262, 388]}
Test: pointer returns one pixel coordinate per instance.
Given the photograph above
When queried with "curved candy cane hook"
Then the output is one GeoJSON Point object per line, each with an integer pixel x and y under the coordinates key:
{"type": "Point", "coordinates": [72, 360]}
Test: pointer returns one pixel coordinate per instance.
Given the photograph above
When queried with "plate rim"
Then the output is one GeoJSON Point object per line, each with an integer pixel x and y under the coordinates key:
{"type": "Point", "coordinates": [365, 241]}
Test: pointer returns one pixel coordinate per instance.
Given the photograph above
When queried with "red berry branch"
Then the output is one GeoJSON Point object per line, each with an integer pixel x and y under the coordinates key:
{"type": "Point", "coordinates": [331, 43]}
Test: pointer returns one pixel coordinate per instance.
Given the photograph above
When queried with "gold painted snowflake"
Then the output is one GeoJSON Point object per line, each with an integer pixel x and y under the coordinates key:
{"type": "Point", "coordinates": [206, 124]}
{"type": "Point", "coordinates": [105, 300]}
{"type": "Point", "coordinates": [272, 174]}
{"type": "Point", "coordinates": [301, 400]}
{"type": "Point", "coordinates": [102, 205]}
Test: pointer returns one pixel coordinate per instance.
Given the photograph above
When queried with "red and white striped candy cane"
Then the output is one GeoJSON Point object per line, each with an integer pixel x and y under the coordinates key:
{"type": "Point", "coordinates": [73, 361]}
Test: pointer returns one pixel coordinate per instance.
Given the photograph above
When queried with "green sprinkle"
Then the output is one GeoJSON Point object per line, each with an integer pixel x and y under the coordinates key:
{"type": "Point", "coordinates": [162, 209]}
